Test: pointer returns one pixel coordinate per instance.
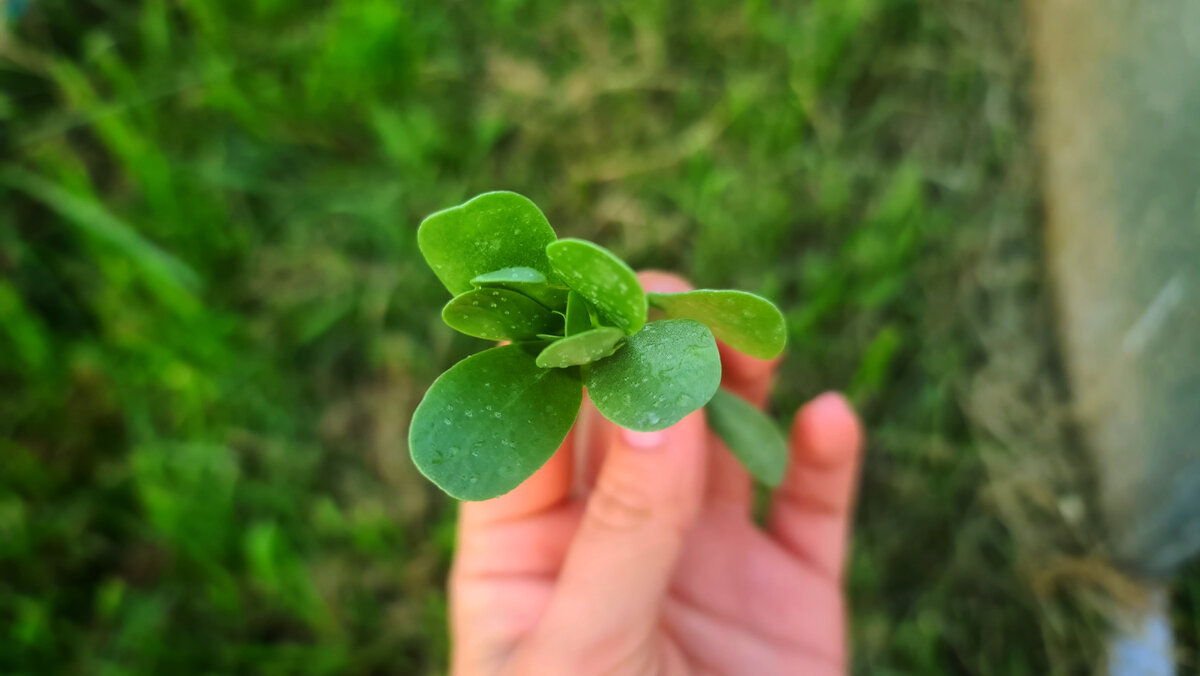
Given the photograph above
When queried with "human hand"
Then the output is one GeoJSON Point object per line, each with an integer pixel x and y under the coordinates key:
{"type": "Point", "coordinates": [635, 553]}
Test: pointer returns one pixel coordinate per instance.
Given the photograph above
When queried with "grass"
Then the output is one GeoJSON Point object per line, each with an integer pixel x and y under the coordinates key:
{"type": "Point", "coordinates": [214, 321]}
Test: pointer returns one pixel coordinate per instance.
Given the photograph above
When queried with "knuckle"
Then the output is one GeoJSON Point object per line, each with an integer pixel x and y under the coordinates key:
{"type": "Point", "coordinates": [619, 505]}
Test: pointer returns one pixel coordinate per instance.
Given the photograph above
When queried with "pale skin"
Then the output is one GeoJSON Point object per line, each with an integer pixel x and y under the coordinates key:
{"type": "Point", "coordinates": [635, 554]}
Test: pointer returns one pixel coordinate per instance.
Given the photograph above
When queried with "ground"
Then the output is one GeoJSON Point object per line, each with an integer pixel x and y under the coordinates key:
{"type": "Point", "coordinates": [214, 320]}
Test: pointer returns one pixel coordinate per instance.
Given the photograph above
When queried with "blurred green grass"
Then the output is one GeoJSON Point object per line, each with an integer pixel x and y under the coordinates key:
{"type": "Point", "coordinates": [214, 321]}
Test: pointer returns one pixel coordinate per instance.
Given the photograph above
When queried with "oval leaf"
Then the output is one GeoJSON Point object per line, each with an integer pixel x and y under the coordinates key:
{"type": "Point", "coordinates": [664, 372]}
{"type": "Point", "coordinates": [746, 322]}
{"type": "Point", "coordinates": [602, 279]}
{"type": "Point", "coordinates": [491, 421]}
{"type": "Point", "coordinates": [526, 281]}
{"type": "Point", "coordinates": [499, 314]}
{"type": "Point", "coordinates": [493, 231]}
{"type": "Point", "coordinates": [517, 275]}
{"type": "Point", "coordinates": [581, 348]}
{"type": "Point", "coordinates": [750, 435]}
{"type": "Point", "coordinates": [578, 317]}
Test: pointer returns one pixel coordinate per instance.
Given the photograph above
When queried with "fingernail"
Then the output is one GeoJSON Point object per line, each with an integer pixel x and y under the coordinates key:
{"type": "Point", "coordinates": [643, 441]}
{"type": "Point", "coordinates": [829, 401]}
{"type": "Point", "coordinates": [828, 407]}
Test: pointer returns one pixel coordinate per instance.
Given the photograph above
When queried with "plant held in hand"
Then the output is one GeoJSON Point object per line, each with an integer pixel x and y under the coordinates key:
{"type": "Point", "coordinates": [574, 314]}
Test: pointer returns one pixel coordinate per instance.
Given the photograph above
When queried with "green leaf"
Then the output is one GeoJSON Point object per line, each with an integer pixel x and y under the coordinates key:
{"type": "Point", "coordinates": [167, 276]}
{"type": "Point", "coordinates": [746, 322]}
{"type": "Point", "coordinates": [493, 231]}
{"type": "Point", "coordinates": [499, 314]}
{"type": "Point", "coordinates": [602, 279]}
{"type": "Point", "coordinates": [664, 372]}
{"type": "Point", "coordinates": [750, 435]}
{"type": "Point", "coordinates": [578, 317]}
{"type": "Point", "coordinates": [491, 421]}
{"type": "Point", "coordinates": [581, 348]}
{"type": "Point", "coordinates": [525, 281]}
{"type": "Point", "coordinates": [516, 275]}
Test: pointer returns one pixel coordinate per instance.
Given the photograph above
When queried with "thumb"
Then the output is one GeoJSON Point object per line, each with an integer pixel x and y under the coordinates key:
{"type": "Point", "coordinates": [619, 565]}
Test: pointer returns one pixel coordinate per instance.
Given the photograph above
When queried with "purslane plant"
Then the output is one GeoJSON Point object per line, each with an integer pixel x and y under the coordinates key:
{"type": "Point", "coordinates": [574, 315]}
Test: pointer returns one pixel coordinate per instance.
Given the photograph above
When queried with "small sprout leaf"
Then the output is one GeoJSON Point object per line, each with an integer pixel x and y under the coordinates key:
{"type": "Point", "coordinates": [581, 348]}
{"type": "Point", "coordinates": [499, 314]}
{"type": "Point", "coordinates": [750, 435]}
{"type": "Point", "coordinates": [493, 231]}
{"type": "Point", "coordinates": [662, 373]}
{"type": "Point", "coordinates": [526, 281]}
{"type": "Point", "coordinates": [516, 275]}
{"type": "Point", "coordinates": [578, 317]}
{"type": "Point", "coordinates": [746, 322]}
{"type": "Point", "coordinates": [602, 279]}
{"type": "Point", "coordinates": [491, 421]}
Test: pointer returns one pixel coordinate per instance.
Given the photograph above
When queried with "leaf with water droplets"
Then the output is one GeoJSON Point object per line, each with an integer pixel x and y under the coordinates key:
{"type": "Point", "coordinates": [507, 418]}
{"type": "Point", "coordinates": [517, 275]}
{"type": "Point", "coordinates": [750, 435]}
{"type": "Point", "coordinates": [602, 279]}
{"type": "Point", "coordinates": [492, 231]}
{"type": "Point", "coordinates": [746, 322]}
{"type": "Point", "coordinates": [662, 373]}
{"type": "Point", "coordinates": [577, 315]}
{"type": "Point", "coordinates": [499, 314]}
{"type": "Point", "coordinates": [525, 281]}
{"type": "Point", "coordinates": [581, 348]}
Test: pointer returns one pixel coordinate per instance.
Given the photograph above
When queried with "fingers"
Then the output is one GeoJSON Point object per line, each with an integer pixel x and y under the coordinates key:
{"type": "Point", "coordinates": [728, 486]}
{"type": "Point", "coordinates": [717, 645]}
{"type": "Point", "coordinates": [737, 571]}
{"type": "Point", "coordinates": [811, 512]}
{"type": "Point", "coordinates": [509, 548]}
{"type": "Point", "coordinates": [618, 567]}
{"type": "Point", "coordinates": [663, 282]}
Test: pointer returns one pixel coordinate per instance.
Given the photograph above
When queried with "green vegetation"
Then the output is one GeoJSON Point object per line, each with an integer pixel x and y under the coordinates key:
{"type": "Point", "coordinates": [491, 421]}
{"type": "Point", "coordinates": [215, 320]}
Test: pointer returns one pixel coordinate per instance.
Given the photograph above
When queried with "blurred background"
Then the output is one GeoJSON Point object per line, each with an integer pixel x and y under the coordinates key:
{"type": "Point", "coordinates": [215, 322]}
